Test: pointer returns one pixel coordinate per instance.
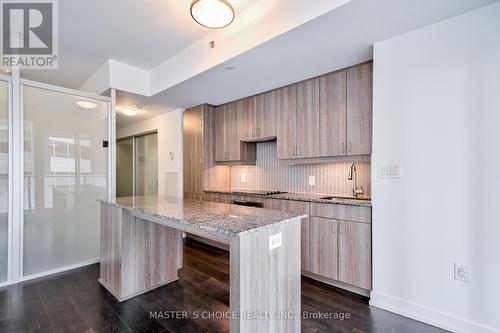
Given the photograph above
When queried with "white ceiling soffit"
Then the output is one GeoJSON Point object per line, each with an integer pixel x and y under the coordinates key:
{"type": "Point", "coordinates": [332, 41]}
{"type": "Point", "coordinates": [253, 26]}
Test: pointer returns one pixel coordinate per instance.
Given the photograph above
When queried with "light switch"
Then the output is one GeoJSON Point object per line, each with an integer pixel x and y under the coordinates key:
{"type": "Point", "coordinates": [389, 171]}
{"type": "Point", "coordinates": [312, 180]}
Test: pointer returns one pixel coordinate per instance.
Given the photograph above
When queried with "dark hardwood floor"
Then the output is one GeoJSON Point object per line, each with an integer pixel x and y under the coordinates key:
{"type": "Point", "coordinates": [75, 302]}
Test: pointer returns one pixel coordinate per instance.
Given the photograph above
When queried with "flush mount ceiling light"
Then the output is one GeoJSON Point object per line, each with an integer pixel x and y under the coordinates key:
{"type": "Point", "coordinates": [130, 112]}
{"type": "Point", "coordinates": [86, 104]}
{"type": "Point", "coordinates": [212, 14]}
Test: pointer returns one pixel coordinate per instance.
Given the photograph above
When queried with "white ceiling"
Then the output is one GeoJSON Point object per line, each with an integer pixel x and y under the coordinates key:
{"type": "Point", "coordinates": [337, 39]}
{"type": "Point", "coordinates": [140, 33]}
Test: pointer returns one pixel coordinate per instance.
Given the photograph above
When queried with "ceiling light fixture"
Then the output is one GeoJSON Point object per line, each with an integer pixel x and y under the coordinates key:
{"type": "Point", "coordinates": [129, 112]}
{"type": "Point", "coordinates": [86, 104]}
{"type": "Point", "coordinates": [212, 14]}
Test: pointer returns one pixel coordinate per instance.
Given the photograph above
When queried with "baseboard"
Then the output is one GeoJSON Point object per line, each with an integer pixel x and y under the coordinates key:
{"type": "Point", "coordinates": [428, 315]}
{"type": "Point", "coordinates": [59, 270]}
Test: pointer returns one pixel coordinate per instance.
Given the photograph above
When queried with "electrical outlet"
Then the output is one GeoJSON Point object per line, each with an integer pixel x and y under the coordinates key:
{"type": "Point", "coordinates": [312, 180]}
{"type": "Point", "coordinates": [462, 272]}
{"type": "Point", "coordinates": [243, 178]}
{"type": "Point", "coordinates": [274, 241]}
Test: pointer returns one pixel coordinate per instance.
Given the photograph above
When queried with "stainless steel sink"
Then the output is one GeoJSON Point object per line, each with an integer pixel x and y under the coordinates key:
{"type": "Point", "coordinates": [343, 198]}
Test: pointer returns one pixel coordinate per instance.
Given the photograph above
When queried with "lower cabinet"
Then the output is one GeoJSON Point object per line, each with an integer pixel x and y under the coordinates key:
{"type": "Point", "coordinates": [323, 248]}
{"type": "Point", "coordinates": [340, 243]}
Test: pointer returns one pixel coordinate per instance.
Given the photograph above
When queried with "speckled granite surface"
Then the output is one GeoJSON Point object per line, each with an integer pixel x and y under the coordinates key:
{"type": "Point", "coordinates": [230, 220]}
{"type": "Point", "coordinates": [304, 197]}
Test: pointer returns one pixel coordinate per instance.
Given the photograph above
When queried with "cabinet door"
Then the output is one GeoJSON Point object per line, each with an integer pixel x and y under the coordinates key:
{"type": "Point", "coordinates": [307, 128]}
{"type": "Point", "coordinates": [355, 254]}
{"type": "Point", "coordinates": [251, 122]}
{"type": "Point", "coordinates": [324, 247]}
{"type": "Point", "coordinates": [332, 114]}
{"type": "Point", "coordinates": [286, 106]}
{"type": "Point", "coordinates": [359, 110]}
{"type": "Point", "coordinates": [220, 133]}
{"type": "Point", "coordinates": [193, 151]}
{"type": "Point", "coordinates": [232, 124]}
{"type": "Point", "coordinates": [266, 115]}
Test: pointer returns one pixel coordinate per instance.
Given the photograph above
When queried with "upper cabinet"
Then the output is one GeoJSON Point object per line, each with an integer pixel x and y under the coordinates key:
{"type": "Point", "coordinates": [286, 106]}
{"type": "Point", "coordinates": [260, 118]}
{"type": "Point", "coordinates": [307, 128]}
{"type": "Point", "coordinates": [359, 109]}
{"type": "Point", "coordinates": [230, 126]}
{"type": "Point", "coordinates": [333, 114]}
{"type": "Point", "coordinates": [329, 116]}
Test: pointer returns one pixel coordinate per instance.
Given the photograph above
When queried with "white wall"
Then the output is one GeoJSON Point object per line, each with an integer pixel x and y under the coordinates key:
{"type": "Point", "coordinates": [169, 127]}
{"type": "Point", "coordinates": [437, 113]}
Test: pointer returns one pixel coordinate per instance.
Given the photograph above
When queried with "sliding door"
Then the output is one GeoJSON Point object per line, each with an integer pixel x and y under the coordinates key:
{"type": "Point", "coordinates": [65, 172]}
{"type": "Point", "coordinates": [125, 167]}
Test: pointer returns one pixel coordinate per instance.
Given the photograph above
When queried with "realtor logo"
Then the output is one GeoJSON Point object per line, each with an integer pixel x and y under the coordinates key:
{"type": "Point", "coordinates": [29, 34]}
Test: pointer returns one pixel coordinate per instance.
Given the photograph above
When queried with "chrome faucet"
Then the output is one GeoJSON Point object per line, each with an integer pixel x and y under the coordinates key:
{"type": "Point", "coordinates": [353, 175]}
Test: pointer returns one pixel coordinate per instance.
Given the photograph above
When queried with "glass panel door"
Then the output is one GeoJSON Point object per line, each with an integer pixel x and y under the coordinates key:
{"type": "Point", "coordinates": [4, 179]}
{"type": "Point", "coordinates": [146, 164]}
{"type": "Point", "coordinates": [65, 168]}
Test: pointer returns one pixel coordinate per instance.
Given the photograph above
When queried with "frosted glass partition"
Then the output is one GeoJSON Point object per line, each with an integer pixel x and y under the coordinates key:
{"type": "Point", "coordinates": [146, 164]}
{"type": "Point", "coordinates": [4, 179]}
{"type": "Point", "coordinates": [65, 172]}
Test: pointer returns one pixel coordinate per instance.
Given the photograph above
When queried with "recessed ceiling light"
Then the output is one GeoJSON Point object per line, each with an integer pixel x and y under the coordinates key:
{"type": "Point", "coordinates": [229, 68]}
{"type": "Point", "coordinates": [212, 14]}
{"type": "Point", "coordinates": [86, 104]}
{"type": "Point", "coordinates": [129, 112]}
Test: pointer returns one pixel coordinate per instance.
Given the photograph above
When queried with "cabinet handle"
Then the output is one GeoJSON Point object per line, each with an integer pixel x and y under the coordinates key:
{"type": "Point", "coordinates": [342, 150]}
{"type": "Point", "coordinates": [258, 132]}
{"type": "Point", "coordinates": [253, 132]}
{"type": "Point", "coordinates": [350, 146]}
{"type": "Point", "coordinates": [298, 147]}
{"type": "Point", "coordinates": [293, 151]}
{"type": "Point", "coordinates": [340, 228]}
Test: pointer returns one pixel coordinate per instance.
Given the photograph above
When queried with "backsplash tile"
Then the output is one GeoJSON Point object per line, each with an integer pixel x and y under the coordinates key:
{"type": "Point", "coordinates": [331, 178]}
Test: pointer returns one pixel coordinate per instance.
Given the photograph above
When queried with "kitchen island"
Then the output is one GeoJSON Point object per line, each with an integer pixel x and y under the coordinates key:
{"type": "Point", "coordinates": [141, 249]}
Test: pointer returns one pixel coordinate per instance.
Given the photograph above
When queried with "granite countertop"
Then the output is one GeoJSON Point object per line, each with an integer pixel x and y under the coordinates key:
{"type": "Point", "coordinates": [303, 197]}
{"type": "Point", "coordinates": [226, 219]}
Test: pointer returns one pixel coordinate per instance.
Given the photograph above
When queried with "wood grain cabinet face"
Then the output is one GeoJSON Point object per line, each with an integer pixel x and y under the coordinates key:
{"type": "Point", "coordinates": [307, 127]}
{"type": "Point", "coordinates": [286, 110]}
{"type": "Point", "coordinates": [355, 254]}
{"type": "Point", "coordinates": [232, 121]}
{"type": "Point", "coordinates": [359, 109]}
{"type": "Point", "coordinates": [324, 247]}
{"type": "Point", "coordinates": [333, 114]}
{"type": "Point", "coordinates": [220, 133]}
{"type": "Point", "coordinates": [266, 116]}
{"type": "Point", "coordinates": [193, 124]}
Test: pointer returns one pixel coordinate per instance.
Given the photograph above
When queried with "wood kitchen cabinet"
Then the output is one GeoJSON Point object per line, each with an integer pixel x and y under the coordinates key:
{"type": "Point", "coordinates": [193, 124]}
{"type": "Point", "coordinates": [341, 243]}
{"type": "Point", "coordinates": [261, 120]}
{"type": "Point", "coordinates": [355, 253]}
{"type": "Point", "coordinates": [230, 121]}
{"type": "Point", "coordinates": [286, 110]}
{"type": "Point", "coordinates": [299, 207]}
{"type": "Point", "coordinates": [298, 114]}
{"type": "Point", "coordinates": [359, 109]}
{"type": "Point", "coordinates": [324, 247]}
{"type": "Point", "coordinates": [333, 114]}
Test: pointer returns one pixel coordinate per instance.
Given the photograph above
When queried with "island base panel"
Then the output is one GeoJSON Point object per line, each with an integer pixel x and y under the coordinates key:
{"type": "Point", "coordinates": [136, 255]}
{"type": "Point", "coordinates": [265, 282]}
